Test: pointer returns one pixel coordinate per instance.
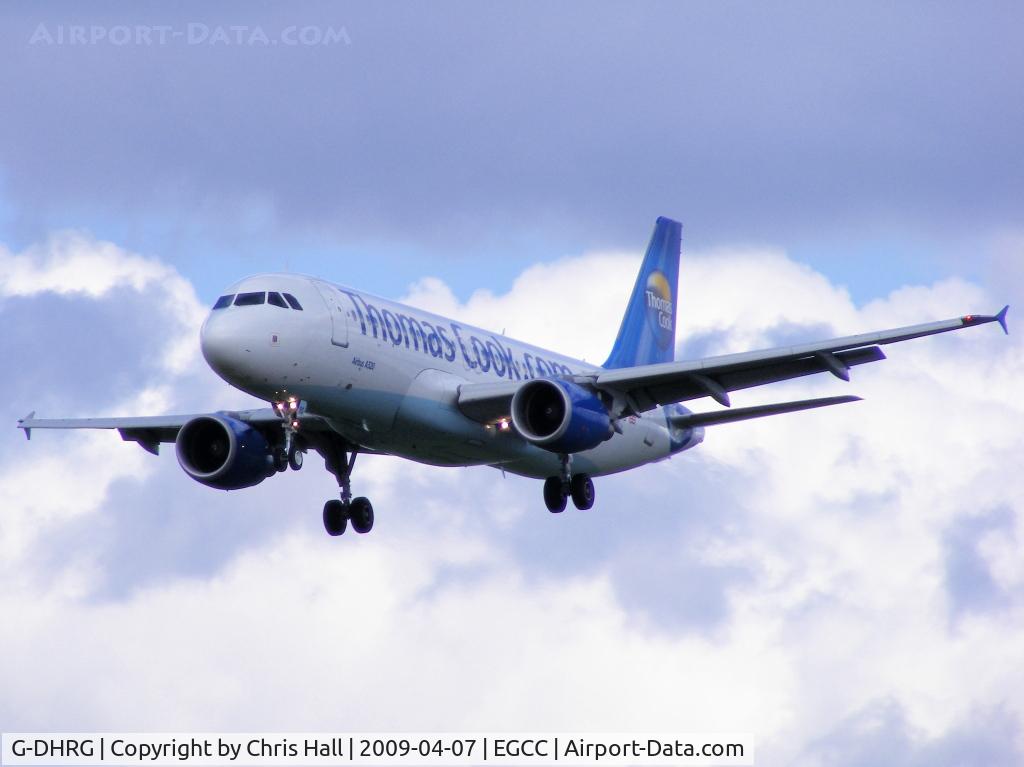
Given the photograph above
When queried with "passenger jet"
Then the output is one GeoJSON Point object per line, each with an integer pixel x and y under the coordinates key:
{"type": "Point", "coordinates": [346, 372]}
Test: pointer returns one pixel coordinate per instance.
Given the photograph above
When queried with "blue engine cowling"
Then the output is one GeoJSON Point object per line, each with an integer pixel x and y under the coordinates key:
{"type": "Point", "coordinates": [560, 416]}
{"type": "Point", "coordinates": [222, 452]}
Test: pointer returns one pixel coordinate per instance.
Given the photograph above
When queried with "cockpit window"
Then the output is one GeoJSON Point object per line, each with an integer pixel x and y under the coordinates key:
{"type": "Point", "coordinates": [276, 300]}
{"type": "Point", "coordinates": [293, 301]}
{"type": "Point", "coordinates": [223, 302]}
{"type": "Point", "coordinates": [250, 299]}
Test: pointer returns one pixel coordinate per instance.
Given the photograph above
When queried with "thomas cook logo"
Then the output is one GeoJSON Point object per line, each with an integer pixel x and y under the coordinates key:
{"type": "Point", "coordinates": [661, 312]}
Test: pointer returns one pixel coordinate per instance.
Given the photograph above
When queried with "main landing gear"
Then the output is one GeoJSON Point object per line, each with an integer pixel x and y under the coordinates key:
{"type": "Point", "coordinates": [558, 489]}
{"type": "Point", "coordinates": [337, 514]}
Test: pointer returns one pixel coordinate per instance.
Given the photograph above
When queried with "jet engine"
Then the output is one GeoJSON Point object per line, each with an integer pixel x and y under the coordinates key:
{"type": "Point", "coordinates": [560, 416]}
{"type": "Point", "coordinates": [222, 452]}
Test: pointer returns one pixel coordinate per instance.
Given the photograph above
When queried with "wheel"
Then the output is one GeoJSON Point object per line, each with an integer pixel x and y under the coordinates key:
{"type": "Point", "coordinates": [361, 514]}
{"type": "Point", "coordinates": [554, 495]}
{"type": "Point", "coordinates": [335, 518]}
{"type": "Point", "coordinates": [280, 459]}
{"type": "Point", "coordinates": [295, 460]}
{"type": "Point", "coordinates": [582, 492]}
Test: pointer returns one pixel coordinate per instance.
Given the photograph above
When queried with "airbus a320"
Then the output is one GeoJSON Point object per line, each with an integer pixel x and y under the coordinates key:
{"type": "Point", "coordinates": [346, 372]}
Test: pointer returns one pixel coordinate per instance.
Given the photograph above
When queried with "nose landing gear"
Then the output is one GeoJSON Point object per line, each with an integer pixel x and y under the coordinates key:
{"type": "Point", "coordinates": [288, 455]}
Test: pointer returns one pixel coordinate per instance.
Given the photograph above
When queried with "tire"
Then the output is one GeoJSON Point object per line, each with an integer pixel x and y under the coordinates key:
{"type": "Point", "coordinates": [582, 492]}
{"type": "Point", "coordinates": [335, 518]}
{"type": "Point", "coordinates": [280, 459]}
{"type": "Point", "coordinates": [554, 495]}
{"type": "Point", "coordinates": [295, 460]}
{"type": "Point", "coordinates": [361, 514]}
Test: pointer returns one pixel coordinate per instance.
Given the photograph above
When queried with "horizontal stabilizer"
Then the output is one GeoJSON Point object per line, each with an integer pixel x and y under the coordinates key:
{"type": "Point", "coordinates": [23, 421]}
{"type": "Point", "coordinates": [691, 420]}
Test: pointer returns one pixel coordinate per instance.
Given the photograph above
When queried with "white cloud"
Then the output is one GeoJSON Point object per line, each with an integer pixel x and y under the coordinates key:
{"type": "Point", "coordinates": [40, 491]}
{"type": "Point", "coordinates": [559, 306]}
{"type": "Point", "coordinates": [74, 263]}
{"type": "Point", "coordinates": [576, 305]}
{"type": "Point", "coordinates": [363, 636]}
{"type": "Point", "coordinates": [440, 619]}
{"type": "Point", "coordinates": [851, 502]}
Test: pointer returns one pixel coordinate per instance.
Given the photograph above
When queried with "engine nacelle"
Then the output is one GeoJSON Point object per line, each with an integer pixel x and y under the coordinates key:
{"type": "Point", "coordinates": [223, 452]}
{"type": "Point", "coordinates": [560, 416]}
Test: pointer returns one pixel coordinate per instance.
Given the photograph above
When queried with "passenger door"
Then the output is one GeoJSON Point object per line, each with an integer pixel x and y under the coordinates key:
{"type": "Point", "coordinates": [339, 322]}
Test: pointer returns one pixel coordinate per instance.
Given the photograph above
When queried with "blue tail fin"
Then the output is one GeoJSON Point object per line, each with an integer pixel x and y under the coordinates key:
{"type": "Point", "coordinates": [648, 332]}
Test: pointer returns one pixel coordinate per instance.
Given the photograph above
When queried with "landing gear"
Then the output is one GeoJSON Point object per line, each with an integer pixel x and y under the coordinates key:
{"type": "Point", "coordinates": [361, 514]}
{"type": "Point", "coordinates": [582, 490]}
{"type": "Point", "coordinates": [557, 489]}
{"type": "Point", "coordinates": [554, 495]}
{"type": "Point", "coordinates": [289, 454]}
{"type": "Point", "coordinates": [338, 513]}
{"type": "Point", "coordinates": [339, 461]}
{"type": "Point", "coordinates": [335, 518]}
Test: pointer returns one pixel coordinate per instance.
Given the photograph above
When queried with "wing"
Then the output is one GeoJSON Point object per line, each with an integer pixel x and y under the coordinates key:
{"type": "Point", "coordinates": [150, 431]}
{"type": "Point", "coordinates": [636, 389]}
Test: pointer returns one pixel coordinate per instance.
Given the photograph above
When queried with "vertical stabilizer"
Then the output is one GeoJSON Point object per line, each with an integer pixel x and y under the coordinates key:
{"type": "Point", "coordinates": [648, 331]}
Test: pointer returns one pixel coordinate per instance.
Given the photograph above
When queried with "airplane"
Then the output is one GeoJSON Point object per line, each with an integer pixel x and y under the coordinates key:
{"type": "Point", "coordinates": [346, 372]}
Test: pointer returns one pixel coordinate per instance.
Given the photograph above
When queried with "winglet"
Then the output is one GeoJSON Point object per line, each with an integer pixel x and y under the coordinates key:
{"type": "Point", "coordinates": [28, 429]}
{"type": "Point", "coordinates": [981, 319]}
{"type": "Point", "coordinates": [1001, 319]}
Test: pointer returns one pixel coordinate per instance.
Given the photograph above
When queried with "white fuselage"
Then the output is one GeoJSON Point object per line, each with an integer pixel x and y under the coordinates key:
{"type": "Point", "coordinates": [387, 376]}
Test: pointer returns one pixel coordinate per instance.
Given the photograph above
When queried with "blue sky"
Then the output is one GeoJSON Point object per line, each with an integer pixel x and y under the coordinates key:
{"type": "Point", "coordinates": [845, 585]}
{"type": "Point", "coordinates": [451, 132]}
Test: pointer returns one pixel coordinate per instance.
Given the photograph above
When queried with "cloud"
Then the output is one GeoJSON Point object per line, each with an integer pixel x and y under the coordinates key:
{"type": "Point", "coordinates": [880, 734]}
{"type": "Point", "coordinates": [556, 305]}
{"type": "Point", "coordinates": [848, 519]}
{"type": "Point", "coordinates": [742, 297]}
{"type": "Point", "coordinates": [139, 356]}
{"type": "Point", "coordinates": [75, 264]}
{"type": "Point", "coordinates": [801, 577]}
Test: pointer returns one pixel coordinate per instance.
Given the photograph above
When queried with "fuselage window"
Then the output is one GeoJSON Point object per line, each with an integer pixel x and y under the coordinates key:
{"type": "Point", "coordinates": [223, 302]}
{"type": "Point", "coordinates": [293, 301]}
{"type": "Point", "coordinates": [276, 300]}
{"type": "Point", "coordinates": [250, 299]}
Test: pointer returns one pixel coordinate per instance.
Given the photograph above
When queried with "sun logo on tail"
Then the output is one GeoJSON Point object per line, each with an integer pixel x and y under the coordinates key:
{"type": "Point", "coordinates": [661, 310]}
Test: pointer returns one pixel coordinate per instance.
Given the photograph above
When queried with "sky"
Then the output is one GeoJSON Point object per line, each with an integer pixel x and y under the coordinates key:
{"type": "Point", "coordinates": [845, 585]}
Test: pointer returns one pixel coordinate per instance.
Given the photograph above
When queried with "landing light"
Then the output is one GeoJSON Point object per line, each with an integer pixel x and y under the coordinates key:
{"type": "Point", "coordinates": [503, 424]}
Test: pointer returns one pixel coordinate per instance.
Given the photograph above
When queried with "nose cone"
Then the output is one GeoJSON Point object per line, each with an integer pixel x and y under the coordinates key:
{"type": "Point", "coordinates": [224, 345]}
